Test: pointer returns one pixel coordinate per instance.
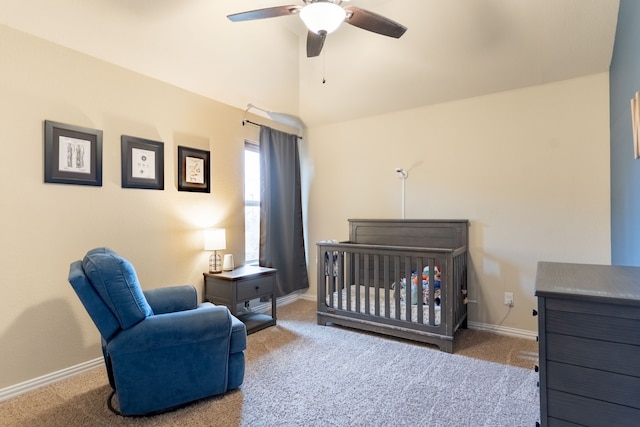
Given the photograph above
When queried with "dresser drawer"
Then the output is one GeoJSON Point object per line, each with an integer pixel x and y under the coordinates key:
{"type": "Point", "coordinates": [255, 287]}
{"type": "Point", "coordinates": [602, 355]}
{"type": "Point", "coordinates": [593, 326]}
{"type": "Point", "coordinates": [567, 408]}
{"type": "Point", "coordinates": [594, 384]}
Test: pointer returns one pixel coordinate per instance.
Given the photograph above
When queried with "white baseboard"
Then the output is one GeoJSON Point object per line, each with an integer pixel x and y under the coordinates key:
{"type": "Point", "coordinates": [309, 297]}
{"type": "Point", "coordinates": [287, 299]}
{"type": "Point", "coordinates": [26, 386]}
{"type": "Point", "coordinates": [503, 330]}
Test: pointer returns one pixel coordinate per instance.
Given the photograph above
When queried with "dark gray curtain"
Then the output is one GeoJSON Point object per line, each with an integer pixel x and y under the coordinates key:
{"type": "Point", "coordinates": [281, 231]}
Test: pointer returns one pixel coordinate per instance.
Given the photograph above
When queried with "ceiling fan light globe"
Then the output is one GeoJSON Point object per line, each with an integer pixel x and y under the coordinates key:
{"type": "Point", "coordinates": [322, 17]}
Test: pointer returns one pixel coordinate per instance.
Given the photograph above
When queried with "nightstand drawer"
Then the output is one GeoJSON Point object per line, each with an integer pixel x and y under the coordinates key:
{"type": "Point", "coordinates": [241, 285]}
{"type": "Point", "coordinates": [255, 287]}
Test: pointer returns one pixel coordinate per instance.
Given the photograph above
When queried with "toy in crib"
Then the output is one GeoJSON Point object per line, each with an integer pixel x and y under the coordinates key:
{"type": "Point", "coordinates": [436, 285]}
{"type": "Point", "coordinates": [403, 289]}
{"type": "Point", "coordinates": [425, 286]}
{"type": "Point", "coordinates": [331, 265]}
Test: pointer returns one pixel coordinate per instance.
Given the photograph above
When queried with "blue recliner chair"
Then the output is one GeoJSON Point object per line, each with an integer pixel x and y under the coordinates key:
{"type": "Point", "coordinates": [161, 348]}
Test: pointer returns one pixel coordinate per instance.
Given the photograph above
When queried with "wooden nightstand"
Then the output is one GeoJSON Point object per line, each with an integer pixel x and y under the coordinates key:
{"type": "Point", "coordinates": [241, 285]}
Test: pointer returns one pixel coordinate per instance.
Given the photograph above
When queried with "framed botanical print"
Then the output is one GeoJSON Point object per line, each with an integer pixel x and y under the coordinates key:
{"type": "Point", "coordinates": [193, 170]}
{"type": "Point", "coordinates": [142, 163]}
{"type": "Point", "coordinates": [72, 154]}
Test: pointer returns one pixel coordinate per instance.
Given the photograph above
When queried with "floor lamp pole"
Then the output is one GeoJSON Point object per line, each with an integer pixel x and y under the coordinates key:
{"type": "Point", "coordinates": [403, 174]}
{"type": "Point", "coordinates": [403, 179]}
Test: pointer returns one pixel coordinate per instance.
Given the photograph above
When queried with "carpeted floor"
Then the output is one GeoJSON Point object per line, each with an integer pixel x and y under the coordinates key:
{"type": "Point", "coordinates": [302, 374]}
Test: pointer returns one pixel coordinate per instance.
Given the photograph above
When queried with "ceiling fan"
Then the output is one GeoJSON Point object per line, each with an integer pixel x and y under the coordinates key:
{"type": "Point", "coordinates": [325, 16]}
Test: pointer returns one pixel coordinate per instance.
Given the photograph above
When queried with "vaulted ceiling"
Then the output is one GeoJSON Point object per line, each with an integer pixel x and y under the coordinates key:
{"type": "Point", "coordinates": [453, 49]}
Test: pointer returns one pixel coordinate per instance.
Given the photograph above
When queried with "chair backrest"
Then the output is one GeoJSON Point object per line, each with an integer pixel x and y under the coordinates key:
{"type": "Point", "coordinates": [102, 316]}
{"type": "Point", "coordinates": [116, 281]}
{"type": "Point", "coordinates": [108, 286]}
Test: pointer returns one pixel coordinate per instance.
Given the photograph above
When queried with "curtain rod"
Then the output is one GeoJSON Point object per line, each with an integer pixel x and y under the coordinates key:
{"type": "Point", "coordinates": [259, 125]}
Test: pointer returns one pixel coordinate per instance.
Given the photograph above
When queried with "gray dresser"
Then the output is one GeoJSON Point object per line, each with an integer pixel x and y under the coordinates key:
{"type": "Point", "coordinates": [589, 332]}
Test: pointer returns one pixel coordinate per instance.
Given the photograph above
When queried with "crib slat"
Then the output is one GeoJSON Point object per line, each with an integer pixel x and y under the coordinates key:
{"type": "Point", "coordinates": [356, 270]}
{"type": "Point", "coordinates": [397, 280]}
{"type": "Point", "coordinates": [387, 281]}
{"type": "Point", "coordinates": [407, 292]}
{"type": "Point", "coordinates": [432, 293]}
{"type": "Point", "coordinates": [376, 284]}
{"type": "Point", "coordinates": [419, 266]}
{"type": "Point", "coordinates": [346, 282]}
{"type": "Point", "coordinates": [398, 295]}
{"type": "Point", "coordinates": [331, 277]}
{"type": "Point", "coordinates": [340, 281]}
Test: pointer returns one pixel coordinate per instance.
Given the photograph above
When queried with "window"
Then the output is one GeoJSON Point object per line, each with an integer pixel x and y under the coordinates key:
{"type": "Point", "coordinates": [251, 202]}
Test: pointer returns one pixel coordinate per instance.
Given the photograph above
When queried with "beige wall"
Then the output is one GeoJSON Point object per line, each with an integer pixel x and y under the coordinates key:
{"type": "Point", "coordinates": [529, 168]}
{"type": "Point", "coordinates": [43, 326]}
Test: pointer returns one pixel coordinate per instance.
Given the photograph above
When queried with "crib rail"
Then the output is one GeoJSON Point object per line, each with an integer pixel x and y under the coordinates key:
{"type": "Point", "coordinates": [420, 291]}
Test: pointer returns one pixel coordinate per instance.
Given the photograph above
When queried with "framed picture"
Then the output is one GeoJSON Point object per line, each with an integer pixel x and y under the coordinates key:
{"type": "Point", "coordinates": [193, 170]}
{"type": "Point", "coordinates": [142, 163]}
{"type": "Point", "coordinates": [72, 154]}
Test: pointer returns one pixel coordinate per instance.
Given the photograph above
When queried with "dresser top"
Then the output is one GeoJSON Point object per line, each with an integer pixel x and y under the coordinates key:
{"type": "Point", "coordinates": [589, 281]}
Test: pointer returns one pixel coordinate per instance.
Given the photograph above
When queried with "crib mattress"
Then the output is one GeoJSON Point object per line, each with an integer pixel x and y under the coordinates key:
{"type": "Point", "coordinates": [392, 305]}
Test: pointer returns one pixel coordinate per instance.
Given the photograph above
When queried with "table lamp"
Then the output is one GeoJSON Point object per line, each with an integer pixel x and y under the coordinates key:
{"type": "Point", "coordinates": [215, 240]}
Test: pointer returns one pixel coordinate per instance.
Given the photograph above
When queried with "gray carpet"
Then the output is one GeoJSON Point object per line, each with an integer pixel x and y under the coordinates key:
{"type": "Point", "coordinates": [302, 374]}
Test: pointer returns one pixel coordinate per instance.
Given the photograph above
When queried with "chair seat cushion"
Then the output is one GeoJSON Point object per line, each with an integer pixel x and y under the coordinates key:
{"type": "Point", "coordinates": [116, 281]}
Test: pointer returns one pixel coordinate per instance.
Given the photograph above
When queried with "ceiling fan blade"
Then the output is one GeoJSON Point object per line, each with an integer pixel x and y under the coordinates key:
{"type": "Point", "coordinates": [315, 43]}
{"type": "Point", "coordinates": [373, 22]}
{"type": "Point", "coordinates": [269, 12]}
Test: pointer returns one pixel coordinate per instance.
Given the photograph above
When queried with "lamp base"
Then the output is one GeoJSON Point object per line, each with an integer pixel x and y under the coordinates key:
{"type": "Point", "coordinates": [215, 263]}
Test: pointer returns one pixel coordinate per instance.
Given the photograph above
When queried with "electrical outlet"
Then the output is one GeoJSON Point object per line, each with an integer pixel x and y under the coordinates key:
{"type": "Point", "coordinates": [508, 299]}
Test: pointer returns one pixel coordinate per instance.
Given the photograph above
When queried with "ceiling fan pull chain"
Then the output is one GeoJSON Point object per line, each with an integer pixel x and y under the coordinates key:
{"type": "Point", "coordinates": [324, 61]}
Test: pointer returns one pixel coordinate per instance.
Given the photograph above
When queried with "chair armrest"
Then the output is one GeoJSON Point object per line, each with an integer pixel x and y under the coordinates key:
{"type": "Point", "coordinates": [206, 323]}
{"type": "Point", "coordinates": [170, 359]}
{"type": "Point", "coordinates": [172, 298]}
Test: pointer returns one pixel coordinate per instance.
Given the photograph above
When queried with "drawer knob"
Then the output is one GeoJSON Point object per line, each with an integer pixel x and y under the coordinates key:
{"type": "Point", "coordinates": [536, 368]}
{"type": "Point", "coordinates": [257, 288]}
{"type": "Point", "coordinates": [535, 312]}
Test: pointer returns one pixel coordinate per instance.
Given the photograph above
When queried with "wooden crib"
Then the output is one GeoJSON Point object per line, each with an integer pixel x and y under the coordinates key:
{"type": "Point", "coordinates": [404, 278]}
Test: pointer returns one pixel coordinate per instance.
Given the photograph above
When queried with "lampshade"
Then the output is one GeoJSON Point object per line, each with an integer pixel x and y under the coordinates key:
{"type": "Point", "coordinates": [215, 239]}
{"type": "Point", "coordinates": [322, 17]}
